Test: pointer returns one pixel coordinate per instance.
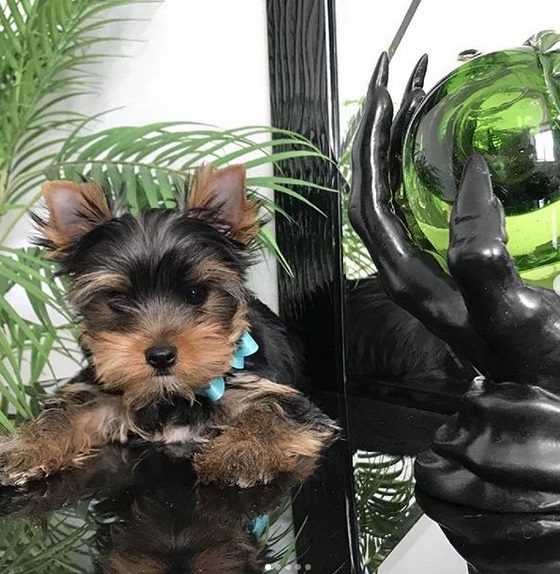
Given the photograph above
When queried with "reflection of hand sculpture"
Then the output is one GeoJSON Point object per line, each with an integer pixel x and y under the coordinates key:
{"type": "Point", "coordinates": [500, 452]}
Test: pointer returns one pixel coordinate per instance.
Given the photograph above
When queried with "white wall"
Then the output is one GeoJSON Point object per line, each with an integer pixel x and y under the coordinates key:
{"type": "Point", "coordinates": [424, 550]}
{"type": "Point", "coordinates": [190, 60]}
{"type": "Point", "coordinates": [440, 28]}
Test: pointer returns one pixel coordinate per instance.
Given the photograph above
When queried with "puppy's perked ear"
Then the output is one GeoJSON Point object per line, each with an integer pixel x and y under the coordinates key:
{"type": "Point", "coordinates": [74, 210]}
{"type": "Point", "coordinates": [223, 191]}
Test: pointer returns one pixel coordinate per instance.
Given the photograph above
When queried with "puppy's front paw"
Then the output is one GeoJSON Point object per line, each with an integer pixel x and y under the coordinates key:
{"type": "Point", "coordinates": [10, 477]}
{"type": "Point", "coordinates": [21, 462]}
{"type": "Point", "coordinates": [14, 473]}
{"type": "Point", "coordinates": [241, 463]}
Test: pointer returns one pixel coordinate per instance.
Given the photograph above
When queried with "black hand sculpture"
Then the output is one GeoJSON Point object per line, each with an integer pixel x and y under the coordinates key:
{"type": "Point", "coordinates": [501, 452]}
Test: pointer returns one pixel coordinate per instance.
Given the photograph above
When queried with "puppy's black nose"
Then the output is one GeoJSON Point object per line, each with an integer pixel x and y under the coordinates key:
{"type": "Point", "coordinates": [161, 357]}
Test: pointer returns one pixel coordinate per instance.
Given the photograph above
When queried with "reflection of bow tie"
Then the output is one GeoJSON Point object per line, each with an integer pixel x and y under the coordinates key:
{"type": "Point", "coordinates": [245, 347]}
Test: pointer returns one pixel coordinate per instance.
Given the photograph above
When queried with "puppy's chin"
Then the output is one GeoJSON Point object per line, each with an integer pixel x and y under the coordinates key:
{"type": "Point", "coordinates": [141, 386]}
{"type": "Point", "coordinates": [157, 388]}
{"type": "Point", "coordinates": [171, 383]}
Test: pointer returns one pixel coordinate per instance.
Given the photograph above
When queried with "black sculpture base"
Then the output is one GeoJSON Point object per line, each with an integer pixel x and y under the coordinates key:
{"type": "Point", "coordinates": [498, 543]}
{"type": "Point", "coordinates": [499, 453]}
{"type": "Point", "coordinates": [491, 479]}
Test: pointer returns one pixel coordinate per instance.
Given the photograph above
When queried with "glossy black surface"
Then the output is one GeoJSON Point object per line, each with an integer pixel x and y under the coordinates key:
{"type": "Point", "coordinates": [303, 82]}
{"type": "Point", "coordinates": [138, 510]}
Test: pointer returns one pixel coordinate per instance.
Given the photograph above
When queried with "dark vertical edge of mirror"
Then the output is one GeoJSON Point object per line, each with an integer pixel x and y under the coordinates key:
{"type": "Point", "coordinates": [303, 92]}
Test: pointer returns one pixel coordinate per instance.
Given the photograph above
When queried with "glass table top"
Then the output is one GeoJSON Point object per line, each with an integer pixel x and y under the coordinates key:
{"type": "Point", "coordinates": [139, 509]}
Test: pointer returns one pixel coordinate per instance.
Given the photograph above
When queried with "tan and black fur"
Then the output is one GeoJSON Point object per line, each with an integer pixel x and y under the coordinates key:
{"type": "Point", "coordinates": [162, 302]}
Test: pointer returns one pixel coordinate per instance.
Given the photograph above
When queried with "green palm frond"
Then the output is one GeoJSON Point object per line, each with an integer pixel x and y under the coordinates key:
{"type": "Point", "coordinates": [61, 546]}
{"type": "Point", "coordinates": [152, 164]}
{"type": "Point", "coordinates": [280, 538]}
{"type": "Point", "coordinates": [28, 344]}
{"type": "Point", "coordinates": [46, 48]}
{"type": "Point", "coordinates": [357, 260]}
{"type": "Point", "coordinates": [161, 157]}
{"type": "Point", "coordinates": [384, 488]}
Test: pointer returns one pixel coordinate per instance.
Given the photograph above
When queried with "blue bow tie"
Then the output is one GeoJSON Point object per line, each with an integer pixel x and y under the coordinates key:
{"type": "Point", "coordinates": [245, 347]}
{"type": "Point", "coordinates": [259, 525]}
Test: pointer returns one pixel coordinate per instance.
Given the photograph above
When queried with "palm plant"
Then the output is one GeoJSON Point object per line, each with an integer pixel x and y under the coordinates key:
{"type": "Point", "coordinates": [45, 48]}
{"type": "Point", "coordinates": [384, 488]}
{"type": "Point", "coordinates": [357, 260]}
{"type": "Point", "coordinates": [46, 51]}
{"type": "Point", "coordinates": [60, 546]}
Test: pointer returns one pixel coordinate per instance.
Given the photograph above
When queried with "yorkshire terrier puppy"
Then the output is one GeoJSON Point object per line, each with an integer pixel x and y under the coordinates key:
{"type": "Point", "coordinates": [180, 351]}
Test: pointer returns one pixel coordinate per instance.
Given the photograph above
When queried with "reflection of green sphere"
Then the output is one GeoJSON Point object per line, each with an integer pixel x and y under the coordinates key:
{"type": "Point", "coordinates": [505, 106]}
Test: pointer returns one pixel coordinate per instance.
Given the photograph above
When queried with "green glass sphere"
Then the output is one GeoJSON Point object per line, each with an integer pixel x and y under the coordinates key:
{"type": "Point", "coordinates": [506, 106]}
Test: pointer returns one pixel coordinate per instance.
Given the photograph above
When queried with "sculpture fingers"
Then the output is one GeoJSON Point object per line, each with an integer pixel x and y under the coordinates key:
{"type": "Point", "coordinates": [412, 278]}
{"type": "Point", "coordinates": [413, 96]}
{"type": "Point", "coordinates": [377, 107]}
{"type": "Point", "coordinates": [416, 80]}
{"type": "Point", "coordinates": [520, 324]}
{"type": "Point", "coordinates": [478, 257]}
{"type": "Point", "coordinates": [380, 76]}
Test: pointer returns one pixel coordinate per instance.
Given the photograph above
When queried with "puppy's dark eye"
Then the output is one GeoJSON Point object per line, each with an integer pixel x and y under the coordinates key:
{"type": "Point", "coordinates": [118, 302]}
{"type": "Point", "coordinates": [195, 294]}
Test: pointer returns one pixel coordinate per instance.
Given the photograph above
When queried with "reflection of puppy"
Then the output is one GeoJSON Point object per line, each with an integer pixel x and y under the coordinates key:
{"type": "Point", "coordinates": [154, 517]}
{"type": "Point", "coordinates": [385, 342]}
{"type": "Point", "coordinates": [166, 318]}
{"type": "Point", "coordinates": [167, 525]}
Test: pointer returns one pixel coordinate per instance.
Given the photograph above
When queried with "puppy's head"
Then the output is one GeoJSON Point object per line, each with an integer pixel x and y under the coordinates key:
{"type": "Point", "coordinates": [160, 296]}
